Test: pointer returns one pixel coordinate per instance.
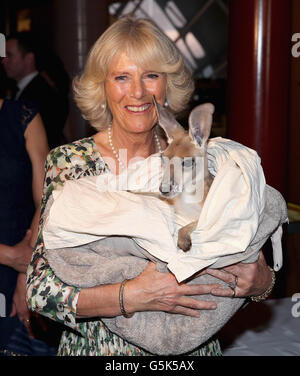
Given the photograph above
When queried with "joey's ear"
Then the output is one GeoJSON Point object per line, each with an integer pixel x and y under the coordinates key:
{"type": "Point", "coordinates": [167, 121]}
{"type": "Point", "coordinates": [200, 122]}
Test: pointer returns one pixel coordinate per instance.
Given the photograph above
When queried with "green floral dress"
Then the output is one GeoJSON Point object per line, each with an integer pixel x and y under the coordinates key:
{"type": "Point", "coordinates": [48, 295]}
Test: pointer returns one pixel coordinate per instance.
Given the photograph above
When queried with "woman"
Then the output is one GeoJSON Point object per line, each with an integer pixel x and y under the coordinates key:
{"type": "Point", "coordinates": [129, 63]}
{"type": "Point", "coordinates": [23, 150]}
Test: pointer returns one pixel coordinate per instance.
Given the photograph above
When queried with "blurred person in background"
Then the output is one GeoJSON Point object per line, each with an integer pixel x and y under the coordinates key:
{"type": "Point", "coordinates": [23, 150]}
{"type": "Point", "coordinates": [24, 60]}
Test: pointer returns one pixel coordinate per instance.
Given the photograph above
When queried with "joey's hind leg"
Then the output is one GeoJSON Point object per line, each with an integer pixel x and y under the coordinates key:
{"type": "Point", "coordinates": [184, 236]}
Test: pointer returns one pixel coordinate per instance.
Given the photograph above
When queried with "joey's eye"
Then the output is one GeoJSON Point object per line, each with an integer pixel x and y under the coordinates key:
{"type": "Point", "coordinates": [188, 162]}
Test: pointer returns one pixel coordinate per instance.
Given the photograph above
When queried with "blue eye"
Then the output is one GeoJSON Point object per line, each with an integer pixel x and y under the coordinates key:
{"type": "Point", "coordinates": [120, 78]}
{"type": "Point", "coordinates": [152, 75]}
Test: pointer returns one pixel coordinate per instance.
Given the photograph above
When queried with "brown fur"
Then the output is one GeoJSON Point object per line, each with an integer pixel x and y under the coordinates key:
{"type": "Point", "coordinates": [184, 145]}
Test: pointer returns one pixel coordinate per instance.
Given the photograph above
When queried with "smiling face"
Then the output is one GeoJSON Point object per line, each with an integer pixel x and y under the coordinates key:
{"type": "Point", "coordinates": [129, 90]}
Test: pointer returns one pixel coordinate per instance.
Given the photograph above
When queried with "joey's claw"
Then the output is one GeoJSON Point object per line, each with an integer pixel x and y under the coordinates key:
{"type": "Point", "coordinates": [184, 241]}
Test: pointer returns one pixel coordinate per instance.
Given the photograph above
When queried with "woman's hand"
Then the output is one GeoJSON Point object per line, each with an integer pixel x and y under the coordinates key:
{"type": "Point", "coordinates": [155, 291]}
{"type": "Point", "coordinates": [19, 307]}
{"type": "Point", "coordinates": [23, 253]}
{"type": "Point", "coordinates": [17, 256]}
{"type": "Point", "coordinates": [252, 279]}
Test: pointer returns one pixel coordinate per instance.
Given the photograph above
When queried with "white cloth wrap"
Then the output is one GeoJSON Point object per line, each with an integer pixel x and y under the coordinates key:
{"type": "Point", "coordinates": [83, 211]}
{"type": "Point", "coordinates": [95, 234]}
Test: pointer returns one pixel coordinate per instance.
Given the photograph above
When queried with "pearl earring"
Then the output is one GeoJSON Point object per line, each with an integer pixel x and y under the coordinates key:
{"type": "Point", "coordinates": [103, 106]}
{"type": "Point", "coordinates": [166, 104]}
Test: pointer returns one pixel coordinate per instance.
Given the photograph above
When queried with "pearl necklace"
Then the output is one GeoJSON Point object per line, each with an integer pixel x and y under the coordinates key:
{"type": "Point", "coordinates": [117, 155]}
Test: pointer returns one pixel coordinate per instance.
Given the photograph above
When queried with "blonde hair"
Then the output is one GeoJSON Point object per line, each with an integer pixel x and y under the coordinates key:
{"type": "Point", "coordinates": [150, 48]}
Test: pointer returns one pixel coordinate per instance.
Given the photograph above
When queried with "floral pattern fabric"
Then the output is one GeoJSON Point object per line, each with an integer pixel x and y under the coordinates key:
{"type": "Point", "coordinates": [52, 298]}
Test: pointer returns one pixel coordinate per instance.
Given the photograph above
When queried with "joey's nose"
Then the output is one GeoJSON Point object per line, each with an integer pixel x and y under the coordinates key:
{"type": "Point", "coordinates": [165, 188]}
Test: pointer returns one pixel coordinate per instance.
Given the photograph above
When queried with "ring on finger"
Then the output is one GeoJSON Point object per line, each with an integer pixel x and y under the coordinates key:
{"type": "Point", "coordinates": [233, 284]}
{"type": "Point", "coordinates": [233, 292]}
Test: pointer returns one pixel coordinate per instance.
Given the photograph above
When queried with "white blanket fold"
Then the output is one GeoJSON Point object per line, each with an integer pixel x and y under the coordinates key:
{"type": "Point", "coordinates": [95, 236]}
{"type": "Point", "coordinates": [84, 211]}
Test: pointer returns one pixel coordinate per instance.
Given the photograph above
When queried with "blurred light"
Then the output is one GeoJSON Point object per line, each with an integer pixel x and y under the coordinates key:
{"type": "Point", "coordinates": [24, 20]}
{"type": "Point", "coordinates": [194, 45]}
{"type": "Point", "coordinates": [208, 71]}
{"type": "Point", "coordinates": [175, 15]}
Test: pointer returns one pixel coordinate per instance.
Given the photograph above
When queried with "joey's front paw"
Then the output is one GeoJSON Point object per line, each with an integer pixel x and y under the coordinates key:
{"type": "Point", "coordinates": [184, 240]}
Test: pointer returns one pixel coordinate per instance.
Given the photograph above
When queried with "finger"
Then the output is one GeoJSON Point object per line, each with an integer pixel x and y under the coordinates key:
{"type": "Point", "coordinates": [261, 256]}
{"type": "Point", "coordinates": [235, 269]}
{"type": "Point", "coordinates": [187, 312]}
{"type": "Point", "coordinates": [28, 327]}
{"type": "Point", "coordinates": [22, 315]}
{"type": "Point", "coordinates": [28, 233]}
{"type": "Point", "coordinates": [13, 310]}
{"type": "Point", "coordinates": [42, 322]}
{"type": "Point", "coordinates": [198, 289]}
{"type": "Point", "coordinates": [150, 267]}
{"type": "Point", "coordinates": [221, 274]}
{"type": "Point", "coordinates": [198, 274]}
{"type": "Point", "coordinates": [197, 306]}
{"type": "Point", "coordinates": [223, 292]}
{"type": "Point", "coordinates": [27, 237]}
{"type": "Point", "coordinates": [191, 303]}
